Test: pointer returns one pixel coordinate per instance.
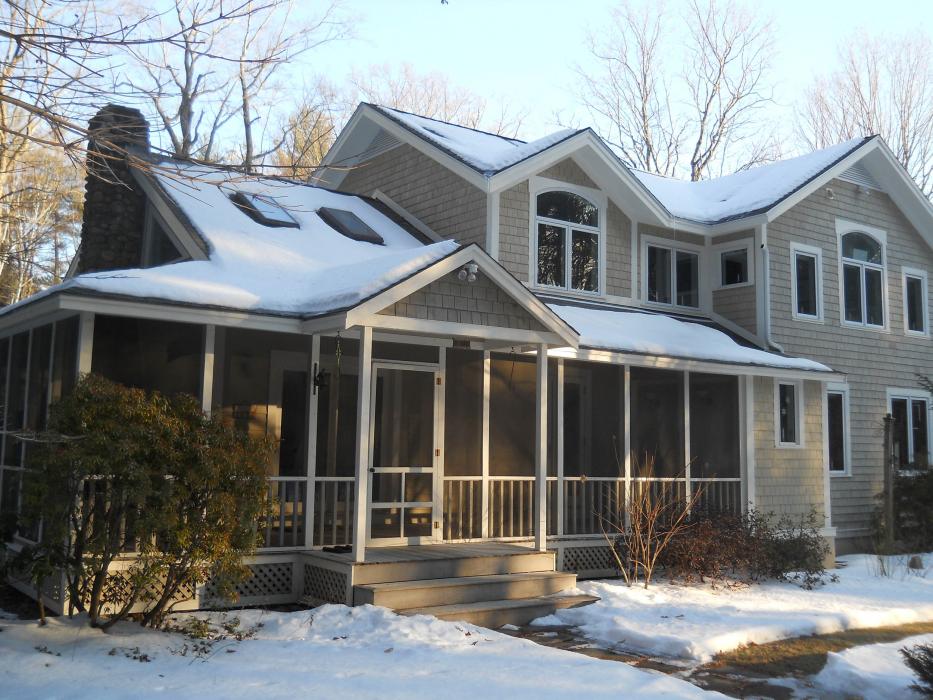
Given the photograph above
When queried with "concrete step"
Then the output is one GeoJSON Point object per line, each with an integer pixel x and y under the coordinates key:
{"type": "Point", "coordinates": [495, 613]}
{"type": "Point", "coordinates": [463, 589]}
{"type": "Point", "coordinates": [454, 567]}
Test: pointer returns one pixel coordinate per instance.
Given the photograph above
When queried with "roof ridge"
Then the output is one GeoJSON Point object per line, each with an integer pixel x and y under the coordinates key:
{"type": "Point", "coordinates": [515, 142]}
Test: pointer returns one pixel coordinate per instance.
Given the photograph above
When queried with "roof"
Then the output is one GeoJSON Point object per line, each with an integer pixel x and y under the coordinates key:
{"type": "Point", "coordinates": [744, 193]}
{"type": "Point", "coordinates": [306, 271]}
{"type": "Point", "coordinates": [484, 152]}
{"type": "Point", "coordinates": [645, 332]}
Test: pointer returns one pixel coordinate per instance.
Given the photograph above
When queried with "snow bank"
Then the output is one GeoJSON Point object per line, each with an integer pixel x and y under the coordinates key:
{"type": "Point", "coordinates": [696, 621]}
{"type": "Point", "coordinates": [332, 652]}
{"type": "Point", "coordinates": [877, 671]}
{"type": "Point", "coordinates": [657, 334]}
{"type": "Point", "coordinates": [717, 199]}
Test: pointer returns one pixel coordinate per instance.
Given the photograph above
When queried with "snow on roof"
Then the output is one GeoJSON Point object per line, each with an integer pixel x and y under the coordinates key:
{"type": "Point", "coordinates": [488, 153]}
{"type": "Point", "coordinates": [745, 192]}
{"type": "Point", "coordinates": [649, 333]}
{"type": "Point", "coordinates": [306, 271]}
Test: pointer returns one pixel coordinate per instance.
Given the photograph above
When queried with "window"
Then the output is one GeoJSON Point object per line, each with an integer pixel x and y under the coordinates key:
{"type": "Point", "coordinates": [350, 225]}
{"type": "Point", "coordinates": [788, 411]}
{"type": "Point", "coordinates": [567, 230]}
{"type": "Point", "coordinates": [863, 279]}
{"type": "Point", "coordinates": [915, 302]}
{"type": "Point", "coordinates": [159, 246]}
{"type": "Point", "coordinates": [837, 429]}
{"type": "Point", "coordinates": [734, 268]}
{"type": "Point", "coordinates": [263, 210]}
{"type": "Point", "coordinates": [807, 284]}
{"type": "Point", "coordinates": [910, 426]}
{"type": "Point", "coordinates": [673, 276]}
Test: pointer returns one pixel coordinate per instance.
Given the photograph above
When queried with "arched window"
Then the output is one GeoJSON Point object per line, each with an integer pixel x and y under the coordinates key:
{"type": "Point", "coordinates": [567, 242]}
{"type": "Point", "coordinates": [863, 279]}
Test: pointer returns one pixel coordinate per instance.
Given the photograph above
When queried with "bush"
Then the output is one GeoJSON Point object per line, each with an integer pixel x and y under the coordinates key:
{"type": "Point", "coordinates": [720, 547]}
{"type": "Point", "coordinates": [920, 660]}
{"type": "Point", "coordinates": [124, 470]}
{"type": "Point", "coordinates": [913, 503]}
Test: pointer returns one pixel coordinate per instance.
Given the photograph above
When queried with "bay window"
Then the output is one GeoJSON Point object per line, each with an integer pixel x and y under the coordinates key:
{"type": "Point", "coordinates": [567, 242]}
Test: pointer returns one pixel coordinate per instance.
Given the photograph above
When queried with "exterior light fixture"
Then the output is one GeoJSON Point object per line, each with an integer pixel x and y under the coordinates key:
{"type": "Point", "coordinates": [468, 273]}
{"type": "Point", "coordinates": [830, 193]}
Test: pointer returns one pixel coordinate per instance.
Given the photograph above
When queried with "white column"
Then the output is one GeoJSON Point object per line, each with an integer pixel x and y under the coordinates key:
{"type": "Point", "coordinates": [560, 447]}
{"type": "Point", "coordinates": [487, 383]}
{"type": "Point", "coordinates": [311, 459]}
{"type": "Point", "coordinates": [749, 442]}
{"type": "Point", "coordinates": [627, 431]}
{"type": "Point", "coordinates": [85, 342]}
{"type": "Point", "coordinates": [541, 452]}
{"type": "Point", "coordinates": [207, 369]}
{"type": "Point", "coordinates": [827, 494]}
{"type": "Point", "coordinates": [688, 458]}
{"type": "Point", "coordinates": [361, 517]}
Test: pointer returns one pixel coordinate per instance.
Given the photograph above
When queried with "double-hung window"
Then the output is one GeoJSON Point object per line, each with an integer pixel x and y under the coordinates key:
{"type": "Point", "coordinates": [915, 302]}
{"type": "Point", "coordinates": [807, 282]}
{"type": "Point", "coordinates": [567, 228]}
{"type": "Point", "coordinates": [788, 413]}
{"type": "Point", "coordinates": [672, 276]}
{"type": "Point", "coordinates": [863, 280]}
{"type": "Point", "coordinates": [837, 429]}
{"type": "Point", "coordinates": [910, 413]}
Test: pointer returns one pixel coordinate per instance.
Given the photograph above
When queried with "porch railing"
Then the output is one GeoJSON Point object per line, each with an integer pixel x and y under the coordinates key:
{"type": "Point", "coordinates": [333, 511]}
{"type": "Point", "coordinates": [285, 524]}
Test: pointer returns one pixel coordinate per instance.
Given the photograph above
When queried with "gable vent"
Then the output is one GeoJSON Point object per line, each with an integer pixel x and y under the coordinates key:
{"type": "Point", "coordinates": [859, 175]}
{"type": "Point", "coordinates": [383, 141]}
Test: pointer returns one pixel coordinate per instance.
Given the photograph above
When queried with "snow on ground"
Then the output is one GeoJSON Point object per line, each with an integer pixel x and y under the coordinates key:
{"type": "Point", "coordinates": [697, 621]}
{"type": "Point", "coordinates": [878, 671]}
{"type": "Point", "coordinates": [332, 652]}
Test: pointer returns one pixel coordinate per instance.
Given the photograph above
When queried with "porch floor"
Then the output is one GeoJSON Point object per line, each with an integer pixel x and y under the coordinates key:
{"type": "Point", "coordinates": [428, 552]}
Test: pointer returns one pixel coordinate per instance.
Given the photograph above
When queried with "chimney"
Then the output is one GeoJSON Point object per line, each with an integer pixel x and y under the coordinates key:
{"type": "Point", "coordinates": [114, 204]}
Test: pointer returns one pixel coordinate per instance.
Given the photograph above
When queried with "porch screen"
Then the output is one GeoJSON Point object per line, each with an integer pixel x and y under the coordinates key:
{"type": "Point", "coordinates": [657, 423]}
{"type": "Point", "coordinates": [463, 407]}
{"type": "Point", "coordinates": [714, 426]}
{"type": "Point", "coordinates": [593, 428]}
{"type": "Point", "coordinates": [512, 416]}
{"type": "Point", "coordinates": [152, 355]}
{"type": "Point", "coordinates": [336, 412]}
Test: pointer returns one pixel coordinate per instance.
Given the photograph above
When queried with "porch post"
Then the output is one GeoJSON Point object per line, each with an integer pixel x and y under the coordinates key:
{"type": "Point", "coordinates": [541, 452]}
{"type": "Point", "coordinates": [361, 524]}
{"type": "Point", "coordinates": [749, 430]}
{"type": "Point", "coordinates": [207, 369]}
{"type": "Point", "coordinates": [85, 342]}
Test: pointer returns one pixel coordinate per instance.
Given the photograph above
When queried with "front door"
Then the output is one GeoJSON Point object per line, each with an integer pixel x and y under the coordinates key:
{"type": "Point", "coordinates": [403, 464]}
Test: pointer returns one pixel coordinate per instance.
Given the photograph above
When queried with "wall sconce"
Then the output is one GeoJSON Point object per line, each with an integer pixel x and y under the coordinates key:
{"type": "Point", "coordinates": [830, 193]}
{"type": "Point", "coordinates": [468, 273]}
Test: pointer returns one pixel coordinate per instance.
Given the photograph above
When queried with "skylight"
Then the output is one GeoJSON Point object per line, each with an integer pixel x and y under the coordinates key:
{"type": "Point", "coordinates": [349, 224]}
{"type": "Point", "coordinates": [263, 210]}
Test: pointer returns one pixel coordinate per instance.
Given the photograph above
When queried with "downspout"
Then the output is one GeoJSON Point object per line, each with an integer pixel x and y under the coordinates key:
{"type": "Point", "coordinates": [766, 290]}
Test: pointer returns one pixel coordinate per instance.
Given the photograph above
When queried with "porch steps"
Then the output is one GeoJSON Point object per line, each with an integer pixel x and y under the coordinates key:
{"type": "Point", "coordinates": [495, 613]}
{"type": "Point", "coordinates": [446, 565]}
{"type": "Point", "coordinates": [404, 595]}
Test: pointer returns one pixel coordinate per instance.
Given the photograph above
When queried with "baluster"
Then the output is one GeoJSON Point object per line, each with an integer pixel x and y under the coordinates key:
{"type": "Point", "coordinates": [472, 496]}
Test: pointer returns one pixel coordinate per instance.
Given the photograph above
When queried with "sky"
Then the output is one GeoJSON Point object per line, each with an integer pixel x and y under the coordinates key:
{"type": "Point", "coordinates": [524, 51]}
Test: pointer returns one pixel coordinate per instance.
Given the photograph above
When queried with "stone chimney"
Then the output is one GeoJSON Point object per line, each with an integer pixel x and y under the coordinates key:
{"type": "Point", "coordinates": [114, 204]}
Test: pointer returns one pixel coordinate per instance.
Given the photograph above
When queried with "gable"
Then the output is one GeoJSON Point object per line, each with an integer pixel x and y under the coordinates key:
{"type": "Point", "coordinates": [567, 170]}
{"type": "Point", "coordinates": [480, 303]}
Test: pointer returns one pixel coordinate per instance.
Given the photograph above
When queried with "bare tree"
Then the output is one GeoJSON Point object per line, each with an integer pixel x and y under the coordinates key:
{"type": "Point", "coordinates": [432, 95]}
{"type": "Point", "coordinates": [701, 122]}
{"type": "Point", "coordinates": [883, 85]}
{"type": "Point", "coordinates": [308, 133]}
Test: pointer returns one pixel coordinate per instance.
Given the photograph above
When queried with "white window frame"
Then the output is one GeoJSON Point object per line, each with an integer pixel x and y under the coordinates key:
{"type": "Point", "coordinates": [799, 405]}
{"type": "Point", "coordinates": [540, 185]}
{"type": "Point", "coordinates": [674, 247]}
{"type": "Point", "coordinates": [813, 252]}
{"type": "Point", "coordinates": [913, 394]}
{"type": "Point", "coordinates": [151, 220]}
{"type": "Point", "coordinates": [916, 273]}
{"type": "Point", "coordinates": [842, 389]}
{"type": "Point", "coordinates": [844, 227]}
{"type": "Point", "coordinates": [719, 250]}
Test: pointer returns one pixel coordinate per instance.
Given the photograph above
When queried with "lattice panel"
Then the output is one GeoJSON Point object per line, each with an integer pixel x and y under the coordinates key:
{"type": "Point", "coordinates": [119, 586]}
{"type": "Point", "coordinates": [267, 580]}
{"type": "Point", "coordinates": [584, 559]}
{"type": "Point", "coordinates": [324, 584]}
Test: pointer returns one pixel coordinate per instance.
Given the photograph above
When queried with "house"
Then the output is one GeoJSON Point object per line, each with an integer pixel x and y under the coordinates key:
{"type": "Point", "coordinates": [468, 346]}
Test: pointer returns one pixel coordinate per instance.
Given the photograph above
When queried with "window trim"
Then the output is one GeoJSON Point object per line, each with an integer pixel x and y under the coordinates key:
{"type": "Point", "coordinates": [799, 405]}
{"type": "Point", "coordinates": [843, 389]}
{"type": "Point", "coordinates": [843, 227]}
{"type": "Point", "coordinates": [674, 247]}
{"type": "Point", "coordinates": [916, 273]}
{"type": "Point", "coordinates": [151, 219]}
{"type": "Point", "coordinates": [539, 185]}
{"type": "Point", "coordinates": [719, 250]}
{"type": "Point", "coordinates": [913, 395]}
{"type": "Point", "coordinates": [814, 252]}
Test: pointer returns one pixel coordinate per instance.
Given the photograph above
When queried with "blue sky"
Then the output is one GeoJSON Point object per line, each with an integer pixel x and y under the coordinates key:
{"type": "Point", "coordinates": [524, 50]}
